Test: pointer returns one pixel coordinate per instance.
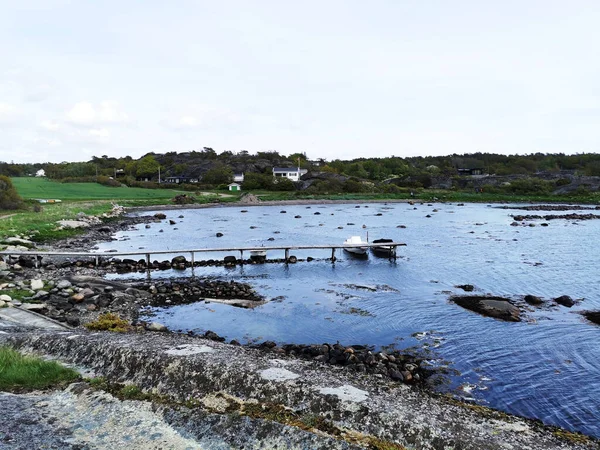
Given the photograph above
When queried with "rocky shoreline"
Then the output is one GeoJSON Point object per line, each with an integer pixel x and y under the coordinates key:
{"type": "Point", "coordinates": [70, 291]}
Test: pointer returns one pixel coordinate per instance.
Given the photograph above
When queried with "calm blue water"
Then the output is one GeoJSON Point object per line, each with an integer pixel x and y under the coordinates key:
{"type": "Point", "coordinates": [547, 366]}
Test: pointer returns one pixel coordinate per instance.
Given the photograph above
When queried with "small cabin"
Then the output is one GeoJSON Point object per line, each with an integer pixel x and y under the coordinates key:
{"type": "Point", "coordinates": [291, 173]}
{"type": "Point", "coordinates": [235, 187]}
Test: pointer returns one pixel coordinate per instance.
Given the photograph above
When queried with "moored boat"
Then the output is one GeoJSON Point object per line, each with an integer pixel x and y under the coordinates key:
{"type": "Point", "coordinates": [354, 245]}
{"type": "Point", "coordinates": [383, 250]}
{"type": "Point", "coordinates": [258, 255]}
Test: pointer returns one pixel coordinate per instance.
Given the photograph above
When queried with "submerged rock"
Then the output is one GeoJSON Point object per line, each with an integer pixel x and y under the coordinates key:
{"type": "Point", "coordinates": [496, 307]}
{"type": "Point", "coordinates": [592, 316]}
{"type": "Point", "coordinates": [533, 300]}
{"type": "Point", "coordinates": [466, 287]}
{"type": "Point", "coordinates": [565, 300]}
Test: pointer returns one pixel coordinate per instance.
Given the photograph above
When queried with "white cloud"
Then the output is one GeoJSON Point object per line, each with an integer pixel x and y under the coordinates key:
{"type": "Point", "coordinates": [8, 112]}
{"type": "Point", "coordinates": [188, 122]}
{"type": "Point", "coordinates": [99, 132]}
{"type": "Point", "coordinates": [50, 125]}
{"type": "Point", "coordinates": [107, 112]}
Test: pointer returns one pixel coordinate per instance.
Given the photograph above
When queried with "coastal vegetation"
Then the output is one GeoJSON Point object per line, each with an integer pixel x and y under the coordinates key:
{"type": "Point", "coordinates": [22, 373]}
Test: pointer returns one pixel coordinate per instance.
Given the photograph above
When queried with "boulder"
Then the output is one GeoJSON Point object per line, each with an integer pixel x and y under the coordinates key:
{"type": "Point", "coordinates": [63, 284]}
{"type": "Point", "coordinates": [36, 307]}
{"type": "Point", "coordinates": [36, 285]}
{"type": "Point", "coordinates": [229, 260]}
{"type": "Point", "coordinates": [19, 241]}
{"type": "Point", "coordinates": [533, 300]}
{"type": "Point", "coordinates": [77, 298]}
{"type": "Point", "coordinates": [466, 287]}
{"type": "Point", "coordinates": [155, 326]}
{"type": "Point", "coordinates": [40, 294]}
{"type": "Point", "coordinates": [565, 300]}
{"type": "Point", "coordinates": [592, 316]}
{"type": "Point", "coordinates": [496, 307]}
{"type": "Point", "coordinates": [160, 216]}
{"type": "Point", "coordinates": [26, 261]}
{"type": "Point", "coordinates": [178, 260]}
{"type": "Point", "coordinates": [5, 298]}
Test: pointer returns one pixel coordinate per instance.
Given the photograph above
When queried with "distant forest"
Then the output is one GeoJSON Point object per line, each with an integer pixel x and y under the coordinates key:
{"type": "Point", "coordinates": [208, 168]}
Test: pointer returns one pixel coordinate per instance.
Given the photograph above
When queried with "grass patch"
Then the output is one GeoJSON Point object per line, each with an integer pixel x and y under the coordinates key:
{"type": "Point", "coordinates": [43, 188]}
{"type": "Point", "coordinates": [109, 322]}
{"type": "Point", "coordinates": [22, 373]}
{"type": "Point", "coordinates": [17, 294]}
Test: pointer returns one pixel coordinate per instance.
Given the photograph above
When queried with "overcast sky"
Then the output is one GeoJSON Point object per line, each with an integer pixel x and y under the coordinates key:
{"type": "Point", "coordinates": [334, 78]}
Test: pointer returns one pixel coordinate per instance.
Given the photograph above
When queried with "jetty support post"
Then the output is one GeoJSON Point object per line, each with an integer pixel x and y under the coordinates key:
{"type": "Point", "coordinates": [287, 255]}
{"type": "Point", "coordinates": [192, 260]}
{"type": "Point", "coordinates": [242, 257]}
{"type": "Point", "coordinates": [394, 248]}
{"type": "Point", "coordinates": [332, 254]}
{"type": "Point", "coordinates": [148, 265]}
{"type": "Point", "coordinates": [97, 261]}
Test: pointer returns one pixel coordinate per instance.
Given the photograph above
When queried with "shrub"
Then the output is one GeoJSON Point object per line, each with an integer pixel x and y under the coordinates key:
{"type": "Point", "coordinates": [530, 186]}
{"type": "Point", "coordinates": [109, 322]}
{"type": "Point", "coordinates": [183, 199]}
{"type": "Point", "coordinates": [9, 198]}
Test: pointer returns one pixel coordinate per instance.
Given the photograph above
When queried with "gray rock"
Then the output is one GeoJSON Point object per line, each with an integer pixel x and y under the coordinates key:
{"type": "Point", "coordinates": [496, 307]}
{"type": "Point", "coordinates": [41, 294]}
{"type": "Point", "coordinates": [33, 306]}
{"type": "Point", "coordinates": [533, 300]}
{"type": "Point", "coordinates": [87, 292]}
{"type": "Point", "coordinates": [155, 326]}
{"type": "Point", "coordinates": [565, 300]}
{"type": "Point", "coordinates": [5, 298]}
{"type": "Point", "coordinates": [36, 285]}
{"type": "Point", "coordinates": [63, 284]}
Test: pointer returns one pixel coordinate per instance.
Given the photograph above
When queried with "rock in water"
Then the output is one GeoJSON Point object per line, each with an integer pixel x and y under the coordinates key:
{"type": "Point", "coordinates": [533, 300]}
{"type": "Point", "coordinates": [592, 316]}
{"type": "Point", "coordinates": [496, 307]}
{"type": "Point", "coordinates": [565, 300]}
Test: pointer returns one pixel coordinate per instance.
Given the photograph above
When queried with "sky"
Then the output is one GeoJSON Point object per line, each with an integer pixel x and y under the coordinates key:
{"type": "Point", "coordinates": [334, 79]}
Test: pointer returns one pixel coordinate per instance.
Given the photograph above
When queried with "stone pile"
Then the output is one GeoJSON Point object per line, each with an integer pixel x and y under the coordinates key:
{"type": "Point", "coordinates": [572, 216]}
{"type": "Point", "coordinates": [175, 292]}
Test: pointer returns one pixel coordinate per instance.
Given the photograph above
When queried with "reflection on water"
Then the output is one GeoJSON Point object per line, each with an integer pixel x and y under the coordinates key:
{"type": "Point", "coordinates": [547, 366]}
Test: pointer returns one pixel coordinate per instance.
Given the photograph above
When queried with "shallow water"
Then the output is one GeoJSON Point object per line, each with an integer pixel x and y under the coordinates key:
{"type": "Point", "coordinates": [547, 366]}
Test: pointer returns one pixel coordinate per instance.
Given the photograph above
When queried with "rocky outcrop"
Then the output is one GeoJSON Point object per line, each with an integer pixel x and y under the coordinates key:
{"type": "Point", "coordinates": [496, 307]}
{"type": "Point", "coordinates": [231, 382]}
{"type": "Point", "coordinates": [592, 316]}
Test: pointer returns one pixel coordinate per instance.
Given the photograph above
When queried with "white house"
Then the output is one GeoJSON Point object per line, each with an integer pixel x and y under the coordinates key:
{"type": "Point", "coordinates": [40, 173]}
{"type": "Point", "coordinates": [238, 177]}
{"type": "Point", "coordinates": [234, 187]}
{"type": "Point", "coordinates": [291, 173]}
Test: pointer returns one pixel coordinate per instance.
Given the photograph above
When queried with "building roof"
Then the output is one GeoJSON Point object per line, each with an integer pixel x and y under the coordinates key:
{"type": "Point", "coordinates": [285, 169]}
{"type": "Point", "coordinates": [233, 184]}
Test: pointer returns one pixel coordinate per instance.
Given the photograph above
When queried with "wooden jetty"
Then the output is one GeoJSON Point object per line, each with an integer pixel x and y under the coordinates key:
{"type": "Point", "coordinates": [192, 252]}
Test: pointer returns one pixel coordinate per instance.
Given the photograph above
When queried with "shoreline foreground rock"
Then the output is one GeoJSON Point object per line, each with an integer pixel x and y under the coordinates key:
{"type": "Point", "coordinates": [218, 395]}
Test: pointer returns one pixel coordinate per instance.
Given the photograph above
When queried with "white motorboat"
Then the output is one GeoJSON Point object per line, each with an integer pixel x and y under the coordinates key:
{"type": "Point", "coordinates": [354, 246]}
{"type": "Point", "coordinates": [258, 255]}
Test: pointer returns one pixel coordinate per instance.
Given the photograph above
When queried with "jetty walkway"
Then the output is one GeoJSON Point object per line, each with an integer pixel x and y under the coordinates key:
{"type": "Point", "coordinates": [147, 254]}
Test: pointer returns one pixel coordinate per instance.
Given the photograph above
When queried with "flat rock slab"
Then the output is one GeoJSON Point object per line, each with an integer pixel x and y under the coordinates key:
{"type": "Point", "coordinates": [26, 318]}
{"type": "Point", "coordinates": [496, 307]}
{"type": "Point", "coordinates": [175, 367]}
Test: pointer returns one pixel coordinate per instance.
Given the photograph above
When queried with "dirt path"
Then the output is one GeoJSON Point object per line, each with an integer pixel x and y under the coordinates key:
{"type": "Point", "coordinates": [7, 216]}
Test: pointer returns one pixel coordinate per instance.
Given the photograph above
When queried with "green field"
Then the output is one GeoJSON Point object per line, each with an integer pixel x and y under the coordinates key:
{"type": "Point", "coordinates": [42, 188]}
